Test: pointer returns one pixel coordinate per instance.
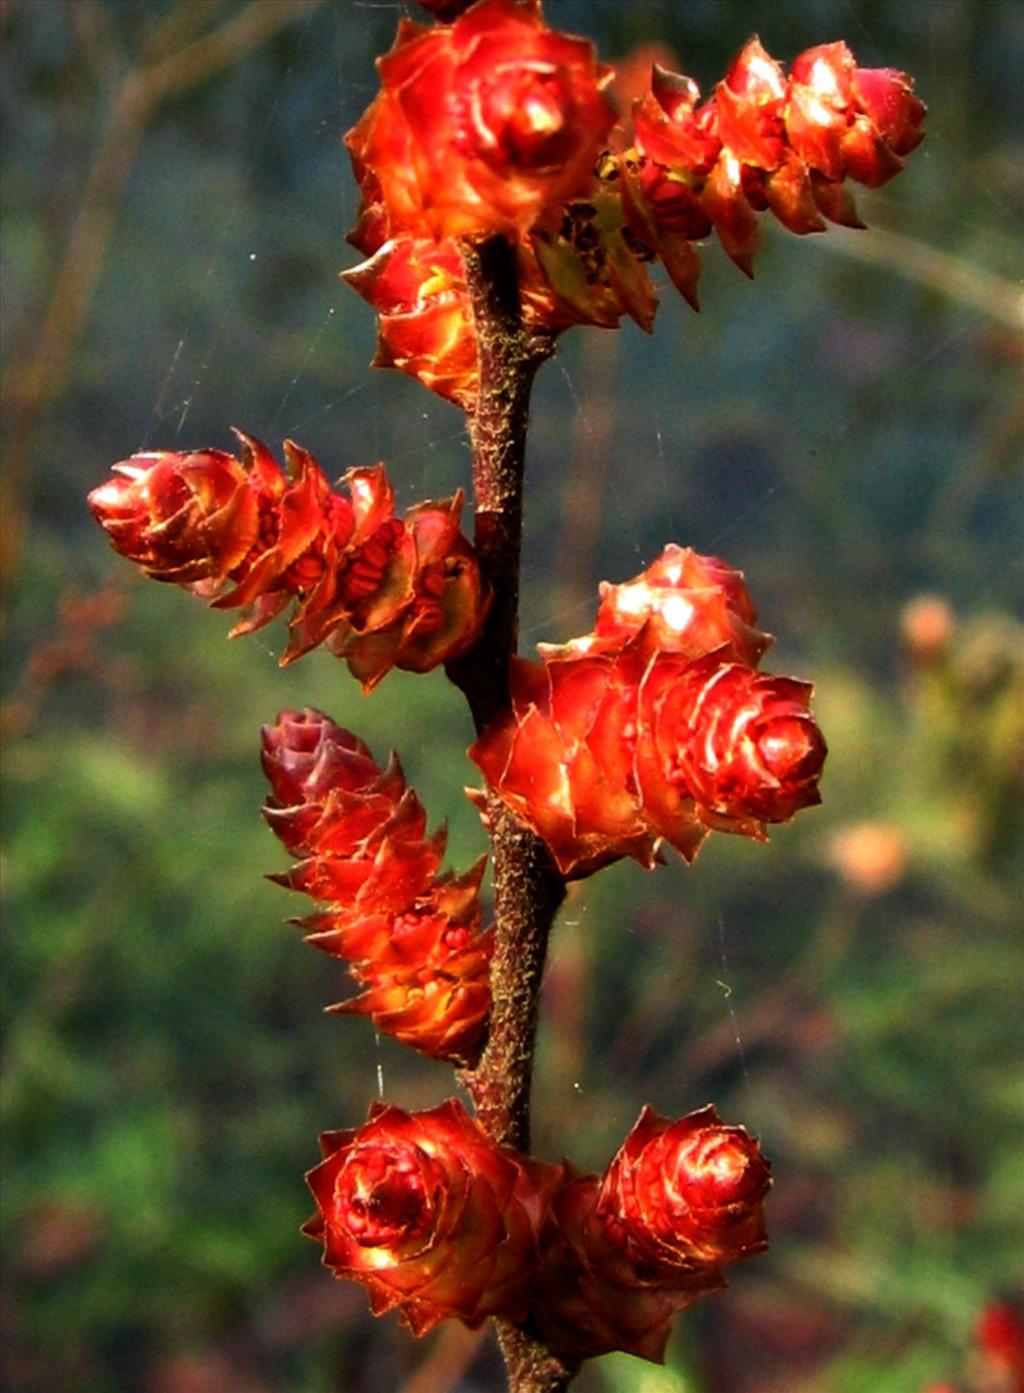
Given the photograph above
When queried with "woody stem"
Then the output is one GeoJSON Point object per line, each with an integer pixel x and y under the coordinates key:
{"type": "Point", "coordinates": [528, 888]}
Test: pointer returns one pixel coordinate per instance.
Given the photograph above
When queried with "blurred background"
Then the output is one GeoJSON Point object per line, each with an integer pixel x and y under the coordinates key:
{"type": "Point", "coordinates": [848, 431]}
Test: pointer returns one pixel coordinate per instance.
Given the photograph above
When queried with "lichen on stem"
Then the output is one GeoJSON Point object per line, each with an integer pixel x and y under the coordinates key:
{"type": "Point", "coordinates": [528, 888]}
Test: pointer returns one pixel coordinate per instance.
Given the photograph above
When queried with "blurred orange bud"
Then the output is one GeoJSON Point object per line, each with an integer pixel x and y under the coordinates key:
{"type": "Point", "coordinates": [870, 857]}
{"type": "Point", "coordinates": [928, 624]}
{"type": "Point", "coordinates": [1000, 1336]}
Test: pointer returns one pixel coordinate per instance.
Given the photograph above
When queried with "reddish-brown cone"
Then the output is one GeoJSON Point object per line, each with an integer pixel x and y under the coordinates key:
{"type": "Point", "coordinates": [656, 726]}
{"type": "Point", "coordinates": [590, 1299]}
{"type": "Point", "coordinates": [430, 1215]}
{"type": "Point", "coordinates": [425, 326]}
{"type": "Point", "coordinates": [382, 591]}
{"type": "Point", "coordinates": [624, 1253]}
{"type": "Point", "coordinates": [495, 124]}
{"type": "Point", "coordinates": [492, 124]}
{"type": "Point", "coordinates": [744, 743]}
{"type": "Point", "coordinates": [484, 126]}
{"type": "Point", "coordinates": [411, 935]}
{"type": "Point", "coordinates": [682, 603]}
{"type": "Point", "coordinates": [687, 1191]}
{"type": "Point", "coordinates": [762, 142]}
{"type": "Point", "coordinates": [589, 270]}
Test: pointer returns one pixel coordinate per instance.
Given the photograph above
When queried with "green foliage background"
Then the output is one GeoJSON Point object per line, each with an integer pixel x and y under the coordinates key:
{"type": "Point", "coordinates": [847, 432]}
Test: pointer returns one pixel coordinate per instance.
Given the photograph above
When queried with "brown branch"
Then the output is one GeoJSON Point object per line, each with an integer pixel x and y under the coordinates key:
{"type": "Point", "coordinates": [527, 886]}
{"type": "Point", "coordinates": [508, 359]}
{"type": "Point", "coordinates": [453, 1351]}
{"type": "Point", "coordinates": [7, 8]}
{"type": "Point", "coordinates": [168, 32]}
{"type": "Point", "coordinates": [532, 1368]}
{"type": "Point", "coordinates": [222, 47]}
{"type": "Point", "coordinates": [980, 290]}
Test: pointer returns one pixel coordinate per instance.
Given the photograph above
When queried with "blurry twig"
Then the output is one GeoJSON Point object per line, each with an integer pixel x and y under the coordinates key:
{"type": "Point", "coordinates": [99, 41]}
{"type": "Point", "coordinates": [789, 1012]}
{"type": "Point", "coordinates": [134, 100]}
{"type": "Point", "coordinates": [450, 1357]}
{"type": "Point", "coordinates": [171, 31]}
{"type": "Point", "coordinates": [54, 996]}
{"type": "Point", "coordinates": [584, 501]}
{"type": "Point", "coordinates": [952, 277]}
{"type": "Point", "coordinates": [1000, 432]}
{"type": "Point", "coordinates": [71, 649]}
